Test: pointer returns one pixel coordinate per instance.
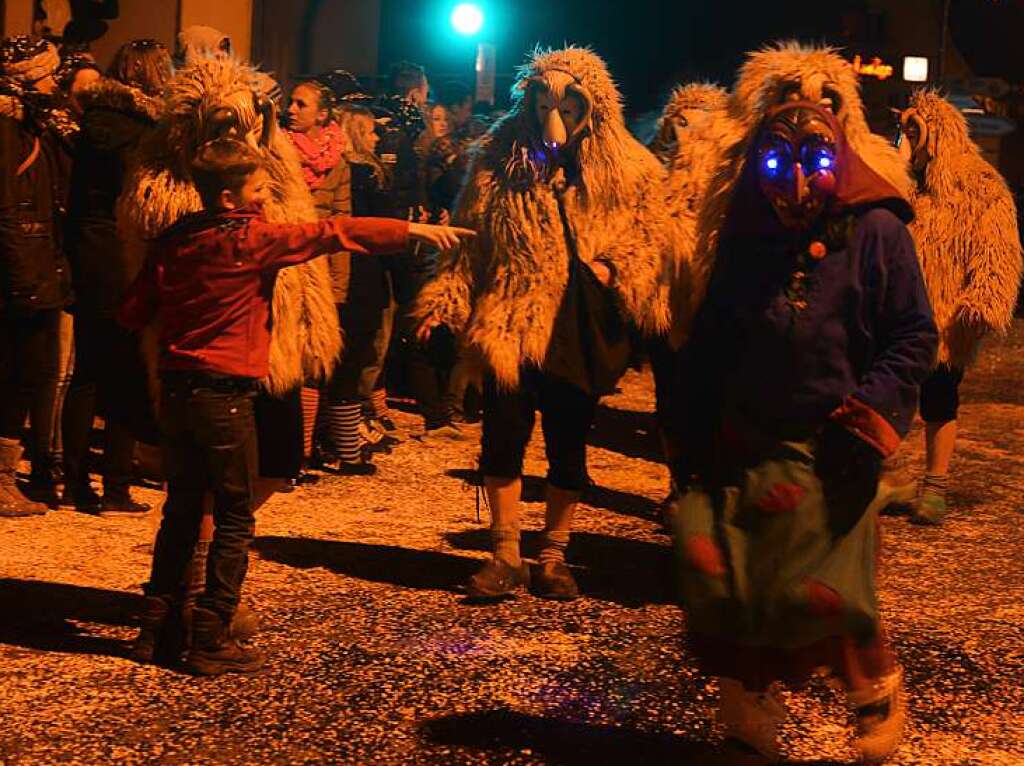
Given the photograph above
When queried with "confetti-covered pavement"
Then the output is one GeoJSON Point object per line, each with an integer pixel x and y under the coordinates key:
{"type": "Point", "coordinates": [374, 657]}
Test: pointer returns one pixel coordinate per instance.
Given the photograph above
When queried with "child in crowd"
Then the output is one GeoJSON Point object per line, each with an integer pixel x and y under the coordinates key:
{"type": "Point", "coordinates": [209, 279]}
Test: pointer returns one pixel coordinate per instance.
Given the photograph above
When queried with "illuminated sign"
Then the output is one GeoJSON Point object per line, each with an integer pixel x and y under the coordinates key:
{"type": "Point", "coordinates": [915, 69]}
{"type": "Point", "coordinates": [874, 69]}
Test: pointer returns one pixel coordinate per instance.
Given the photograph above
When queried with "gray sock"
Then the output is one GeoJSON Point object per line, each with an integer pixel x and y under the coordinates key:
{"type": "Point", "coordinates": [506, 544]}
{"type": "Point", "coordinates": [553, 544]}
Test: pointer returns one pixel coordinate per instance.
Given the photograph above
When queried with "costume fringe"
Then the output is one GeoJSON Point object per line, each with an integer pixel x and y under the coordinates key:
{"type": "Point", "coordinates": [502, 291]}
{"type": "Point", "coordinates": [965, 232]}
{"type": "Point", "coordinates": [764, 80]}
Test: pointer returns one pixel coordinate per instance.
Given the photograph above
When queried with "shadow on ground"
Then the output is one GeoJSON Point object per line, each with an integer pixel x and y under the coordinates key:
{"type": "Point", "coordinates": [627, 432]}
{"type": "Point", "coordinates": [603, 498]}
{"type": "Point", "coordinates": [45, 615]}
{"type": "Point", "coordinates": [405, 567]}
{"type": "Point", "coordinates": [568, 743]}
{"type": "Point", "coordinates": [617, 569]}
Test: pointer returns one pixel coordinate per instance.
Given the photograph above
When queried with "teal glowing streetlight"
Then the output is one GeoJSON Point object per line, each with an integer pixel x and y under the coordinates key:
{"type": "Point", "coordinates": [467, 18]}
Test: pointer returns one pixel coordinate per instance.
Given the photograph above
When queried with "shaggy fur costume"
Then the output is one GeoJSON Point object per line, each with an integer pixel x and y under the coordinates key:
{"type": "Point", "coordinates": [965, 232]}
{"type": "Point", "coordinates": [306, 340]}
{"type": "Point", "coordinates": [501, 292]}
{"type": "Point", "coordinates": [689, 131]}
{"type": "Point", "coordinates": [764, 81]}
{"type": "Point", "coordinates": [686, 109]}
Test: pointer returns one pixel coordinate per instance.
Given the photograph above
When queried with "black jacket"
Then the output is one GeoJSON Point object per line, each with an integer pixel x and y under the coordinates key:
{"type": "Point", "coordinates": [116, 118]}
{"type": "Point", "coordinates": [34, 273]}
{"type": "Point", "coordinates": [369, 290]}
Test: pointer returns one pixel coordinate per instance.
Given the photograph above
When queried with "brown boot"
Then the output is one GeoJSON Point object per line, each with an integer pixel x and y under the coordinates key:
{"type": "Point", "coordinates": [156, 615]}
{"type": "Point", "coordinates": [13, 504]}
{"type": "Point", "coordinates": [215, 651]}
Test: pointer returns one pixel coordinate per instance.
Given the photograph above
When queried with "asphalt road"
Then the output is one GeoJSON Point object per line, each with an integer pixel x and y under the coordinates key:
{"type": "Point", "coordinates": [375, 658]}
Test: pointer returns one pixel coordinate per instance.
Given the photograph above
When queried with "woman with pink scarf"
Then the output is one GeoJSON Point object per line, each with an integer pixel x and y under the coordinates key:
{"type": "Point", "coordinates": [321, 144]}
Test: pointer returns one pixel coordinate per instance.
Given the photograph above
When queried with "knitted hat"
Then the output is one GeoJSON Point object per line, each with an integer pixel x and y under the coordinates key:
{"type": "Point", "coordinates": [28, 59]}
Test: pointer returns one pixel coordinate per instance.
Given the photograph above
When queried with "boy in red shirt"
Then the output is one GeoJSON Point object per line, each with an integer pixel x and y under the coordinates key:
{"type": "Point", "coordinates": [210, 279]}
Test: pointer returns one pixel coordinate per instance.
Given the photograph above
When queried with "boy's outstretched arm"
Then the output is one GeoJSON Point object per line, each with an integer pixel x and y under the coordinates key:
{"type": "Point", "coordinates": [277, 245]}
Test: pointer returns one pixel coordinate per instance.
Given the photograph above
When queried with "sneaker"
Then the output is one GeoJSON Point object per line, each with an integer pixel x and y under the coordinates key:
{"type": "Point", "coordinates": [389, 428]}
{"type": "Point", "coordinates": [497, 578]}
{"type": "Point", "coordinates": [82, 498]}
{"type": "Point", "coordinates": [351, 468]}
{"type": "Point", "coordinates": [307, 477]}
{"type": "Point", "coordinates": [553, 580]}
{"type": "Point", "coordinates": [930, 509]}
{"type": "Point", "coordinates": [881, 717]}
{"type": "Point", "coordinates": [215, 650]}
{"type": "Point", "coordinates": [447, 432]}
{"type": "Point", "coordinates": [752, 718]}
{"type": "Point", "coordinates": [121, 504]}
{"type": "Point", "coordinates": [368, 434]}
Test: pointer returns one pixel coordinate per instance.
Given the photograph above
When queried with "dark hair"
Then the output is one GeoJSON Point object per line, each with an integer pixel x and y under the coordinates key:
{"type": "Point", "coordinates": [453, 93]}
{"type": "Point", "coordinates": [324, 95]}
{"type": "Point", "coordinates": [144, 64]}
{"type": "Point", "coordinates": [224, 163]}
{"type": "Point", "coordinates": [405, 76]}
{"type": "Point", "coordinates": [344, 85]}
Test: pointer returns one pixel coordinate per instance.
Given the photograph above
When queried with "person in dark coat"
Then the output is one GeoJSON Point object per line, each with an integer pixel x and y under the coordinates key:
{"type": "Point", "coordinates": [34, 281]}
{"type": "Point", "coordinates": [109, 375]}
{"type": "Point", "coordinates": [800, 375]}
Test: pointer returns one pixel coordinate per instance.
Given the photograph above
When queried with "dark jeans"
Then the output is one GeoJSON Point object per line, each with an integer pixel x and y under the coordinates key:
{"type": "Point", "coordinates": [429, 368]}
{"type": "Point", "coordinates": [209, 445]}
{"type": "Point", "coordinates": [566, 416]}
{"type": "Point", "coordinates": [940, 394]}
{"type": "Point", "coordinates": [29, 367]}
{"type": "Point", "coordinates": [105, 380]}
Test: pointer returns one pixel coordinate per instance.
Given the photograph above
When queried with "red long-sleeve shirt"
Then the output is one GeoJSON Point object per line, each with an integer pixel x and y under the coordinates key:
{"type": "Point", "coordinates": [210, 278]}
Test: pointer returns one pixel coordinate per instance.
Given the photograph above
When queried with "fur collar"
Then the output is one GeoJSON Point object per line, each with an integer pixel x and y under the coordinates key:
{"type": "Point", "coordinates": [108, 93]}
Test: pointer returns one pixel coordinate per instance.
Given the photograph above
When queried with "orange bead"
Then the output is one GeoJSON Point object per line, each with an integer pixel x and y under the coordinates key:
{"type": "Point", "coordinates": [817, 250]}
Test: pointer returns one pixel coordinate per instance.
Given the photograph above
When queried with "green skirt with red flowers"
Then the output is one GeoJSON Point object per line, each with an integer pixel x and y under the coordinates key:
{"type": "Point", "coordinates": [777, 572]}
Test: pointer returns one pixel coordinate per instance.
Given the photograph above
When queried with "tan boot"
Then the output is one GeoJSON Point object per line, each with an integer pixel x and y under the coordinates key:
{"type": "Point", "coordinates": [881, 717]}
{"type": "Point", "coordinates": [13, 504]}
{"type": "Point", "coordinates": [897, 488]}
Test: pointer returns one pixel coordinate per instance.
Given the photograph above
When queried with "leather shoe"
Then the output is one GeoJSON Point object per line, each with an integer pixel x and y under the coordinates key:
{"type": "Point", "coordinates": [554, 581]}
{"type": "Point", "coordinates": [497, 578]}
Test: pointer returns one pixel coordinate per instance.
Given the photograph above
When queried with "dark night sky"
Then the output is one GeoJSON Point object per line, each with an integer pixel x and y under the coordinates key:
{"type": "Point", "coordinates": [649, 44]}
{"type": "Point", "coordinates": [652, 44]}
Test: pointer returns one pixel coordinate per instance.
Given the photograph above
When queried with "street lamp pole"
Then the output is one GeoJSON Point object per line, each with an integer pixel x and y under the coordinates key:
{"type": "Point", "coordinates": [941, 68]}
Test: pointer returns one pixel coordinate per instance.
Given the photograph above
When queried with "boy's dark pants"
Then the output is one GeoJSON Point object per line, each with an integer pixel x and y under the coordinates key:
{"type": "Point", "coordinates": [209, 445]}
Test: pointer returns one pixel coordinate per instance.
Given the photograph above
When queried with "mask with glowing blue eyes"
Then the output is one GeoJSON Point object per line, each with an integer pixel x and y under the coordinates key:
{"type": "Point", "coordinates": [796, 156]}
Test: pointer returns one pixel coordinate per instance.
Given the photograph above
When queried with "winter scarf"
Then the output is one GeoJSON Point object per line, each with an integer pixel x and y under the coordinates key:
{"type": "Point", "coordinates": [319, 156]}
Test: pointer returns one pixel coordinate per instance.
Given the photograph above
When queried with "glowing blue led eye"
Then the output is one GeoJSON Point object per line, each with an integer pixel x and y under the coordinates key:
{"type": "Point", "coordinates": [824, 162]}
{"type": "Point", "coordinates": [772, 163]}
